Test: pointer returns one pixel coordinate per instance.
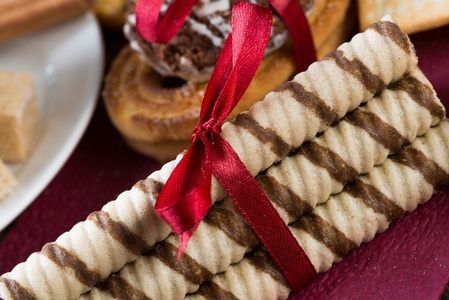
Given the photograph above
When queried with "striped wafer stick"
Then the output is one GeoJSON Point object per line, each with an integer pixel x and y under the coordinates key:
{"type": "Point", "coordinates": [129, 226]}
{"type": "Point", "coordinates": [364, 138]}
{"type": "Point", "coordinates": [346, 220]}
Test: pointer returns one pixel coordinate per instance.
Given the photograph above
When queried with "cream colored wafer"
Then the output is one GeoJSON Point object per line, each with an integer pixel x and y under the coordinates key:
{"type": "Point", "coordinates": [413, 15]}
{"type": "Point", "coordinates": [321, 168]}
{"type": "Point", "coordinates": [346, 220]}
{"type": "Point", "coordinates": [128, 227]}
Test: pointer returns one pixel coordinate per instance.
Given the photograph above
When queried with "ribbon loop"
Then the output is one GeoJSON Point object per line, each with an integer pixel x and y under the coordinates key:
{"type": "Point", "coordinates": [161, 29]}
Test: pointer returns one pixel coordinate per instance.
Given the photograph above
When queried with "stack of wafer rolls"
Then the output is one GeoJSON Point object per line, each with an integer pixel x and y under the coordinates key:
{"type": "Point", "coordinates": [128, 227]}
{"type": "Point", "coordinates": [321, 167]}
{"type": "Point", "coordinates": [334, 229]}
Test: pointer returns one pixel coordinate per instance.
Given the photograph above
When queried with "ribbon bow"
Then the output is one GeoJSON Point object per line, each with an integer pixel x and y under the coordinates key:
{"type": "Point", "coordinates": [185, 198]}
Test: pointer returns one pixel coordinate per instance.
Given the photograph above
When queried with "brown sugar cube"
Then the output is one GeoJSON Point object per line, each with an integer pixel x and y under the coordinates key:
{"type": "Point", "coordinates": [18, 114]}
{"type": "Point", "coordinates": [7, 181]}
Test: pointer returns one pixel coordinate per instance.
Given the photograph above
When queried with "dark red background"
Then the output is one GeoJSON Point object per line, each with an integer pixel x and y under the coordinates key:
{"type": "Point", "coordinates": [408, 261]}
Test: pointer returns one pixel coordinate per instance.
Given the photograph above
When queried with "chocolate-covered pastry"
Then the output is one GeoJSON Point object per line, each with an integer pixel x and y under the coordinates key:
{"type": "Point", "coordinates": [129, 227]}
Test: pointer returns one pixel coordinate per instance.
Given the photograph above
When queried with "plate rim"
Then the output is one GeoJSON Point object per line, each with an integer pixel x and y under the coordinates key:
{"type": "Point", "coordinates": [49, 172]}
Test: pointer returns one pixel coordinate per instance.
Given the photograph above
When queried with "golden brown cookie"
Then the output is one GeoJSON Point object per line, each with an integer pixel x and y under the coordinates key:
{"type": "Point", "coordinates": [18, 115]}
{"type": "Point", "coordinates": [156, 115]}
{"type": "Point", "coordinates": [412, 16]}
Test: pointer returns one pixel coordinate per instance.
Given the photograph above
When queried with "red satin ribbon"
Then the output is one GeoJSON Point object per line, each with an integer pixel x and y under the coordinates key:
{"type": "Point", "coordinates": [185, 198]}
{"type": "Point", "coordinates": [294, 17]}
{"type": "Point", "coordinates": [161, 29]}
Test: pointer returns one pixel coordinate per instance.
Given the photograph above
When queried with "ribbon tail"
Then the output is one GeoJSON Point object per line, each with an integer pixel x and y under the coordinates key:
{"type": "Point", "coordinates": [184, 240]}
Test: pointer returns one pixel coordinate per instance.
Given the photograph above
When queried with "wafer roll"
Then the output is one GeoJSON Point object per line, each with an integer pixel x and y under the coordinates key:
{"type": "Point", "coordinates": [128, 227]}
{"type": "Point", "coordinates": [319, 168]}
{"type": "Point", "coordinates": [340, 225]}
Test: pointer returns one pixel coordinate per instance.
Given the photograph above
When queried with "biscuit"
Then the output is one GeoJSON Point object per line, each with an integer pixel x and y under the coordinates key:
{"type": "Point", "coordinates": [412, 16]}
{"type": "Point", "coordinates": [18, 115]}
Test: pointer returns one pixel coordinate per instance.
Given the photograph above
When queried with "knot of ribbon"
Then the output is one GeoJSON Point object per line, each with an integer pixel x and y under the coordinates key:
{"type": "Point", "coordinates": [211, 125]}
{"type": "Point", "coordinates": [186, 197]}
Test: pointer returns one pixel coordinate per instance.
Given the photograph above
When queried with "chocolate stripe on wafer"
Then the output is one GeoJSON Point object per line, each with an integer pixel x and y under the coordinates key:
{"type": "Point", "coordinates": [325, 158]}
{"type": "Point", "coordinates": [417, 160]}
{"type": "Point", "coordinates": [421, 93]}
{"type": "Point", "coordinates": [283, 196]}
{"type": "Point", "coordinates": [17, 291]}
{"type": "Point", "coordinates": [213, 291]}
{"type": "Point", "coordinates": [231, 225]}
{"type": "Point", "coordinates": [263, 262]}
{"type": "Point", "coordinates": [150, 186]}
{"type": "Point", "coordinates": [311, 101]}
{"type": "Point", "coordinates": [356, 68]}
{"type": "Point", "coordinates": [263, 135]}
{"type": "Point", "coordinates": [188, 267]}
{"type": "Point", "coordinates": [374, 199]}
{"type": "Point", "coordinates": [288, 184]}
{"type": "Point", "coordinates": [393, 32]}
{"type": "Point", "coordinates": [119, 232]}
{"type": "Point", "coordinates": [335, 240]}
{"type": "Point", "coordinates": [118, 288]}
{"type": "Point", "coordinates": [389, 137]}
{"type": "Point", "coordinates": [65, 259]}
{"type": "Point", "coordinates": [104, 250]}
{"type": "Point", "coordinates": [354, 216]}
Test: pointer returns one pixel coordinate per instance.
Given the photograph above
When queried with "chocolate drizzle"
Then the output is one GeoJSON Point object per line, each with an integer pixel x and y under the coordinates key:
{"type": "Point", "coordinates": [234, 227]}
{"type": "Point", "coordinates": [325, 158]}
{"type": "Point", "coordinates": [283, 196]}
{"type": "Point", "coordinates": [322, 231]}
{"type": "Point", "coordinates": [264, 135]}
{"type": "Point", "coordinates": [119, 288]}
{"type": "Point", "coordinates": [150, 186]}
{"type": "Point", "coordinates": [392, 31]}
{"type": "Point", "coordinates": [357, 68]}
{"type": "Point", "coordinates": [119, 232]}
{"type": "Point", "coordinates": [264, 263]}
{"type": "Point", "coordinates": [66, 259]}
{"type": "Point", "coordinates": [311, 101]}
{"type": "Point", "coordinates": [381, 132]}
{"type": "Point", "coordinates": [421, 94]}
{"type": "Point", "coordinates": [186, 266]}
{"type": "Point", "coordinates": [213, 291]}
{"type": "Point", "coordinates": [376, 200]}
{"type": "Point", "coordinates": [17, 291]}
{"type": "Point", "coordinates": [418, 161]}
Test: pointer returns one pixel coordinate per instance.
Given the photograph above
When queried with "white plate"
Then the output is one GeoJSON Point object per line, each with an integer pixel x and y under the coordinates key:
{"type": "Point", "coordinates": [67, 62]}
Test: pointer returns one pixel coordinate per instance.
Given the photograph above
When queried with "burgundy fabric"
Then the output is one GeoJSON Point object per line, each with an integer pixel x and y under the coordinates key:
{"type": "Point", "coordinates": [408, 261]}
